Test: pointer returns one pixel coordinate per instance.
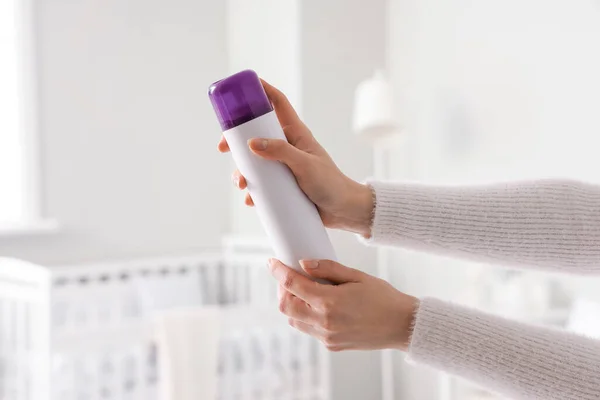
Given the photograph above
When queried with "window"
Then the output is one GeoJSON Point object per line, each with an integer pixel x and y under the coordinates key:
{"type": "Point", "coordinates": [17, 117]}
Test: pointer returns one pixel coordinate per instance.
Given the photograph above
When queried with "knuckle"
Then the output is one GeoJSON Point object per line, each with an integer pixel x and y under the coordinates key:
{"type": "Point", "coordinates": [288, 280]}
{"type": "Point", "coordinates": [278, 97]}
{"type": "Point", "coordinates": [329, 340]}
{"type": "Point", "coordinates": [283, 305]}
{"type": "Point", "coordinates": [328, 324]}
{"type": "Point", "coordinates": [333, 349]}
{"type": "Point", "coordinates": [287, 130]}
{"type": "Point", "coordinates": [328, 306]}
{"type": "Point", "coordinates": [328, 316]}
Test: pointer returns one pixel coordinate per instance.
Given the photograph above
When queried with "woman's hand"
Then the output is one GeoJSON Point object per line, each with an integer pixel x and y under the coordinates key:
{"type": "Point", "coordinates": [342, 202]}
{"type": "Point", "coordinates": [361, 312]}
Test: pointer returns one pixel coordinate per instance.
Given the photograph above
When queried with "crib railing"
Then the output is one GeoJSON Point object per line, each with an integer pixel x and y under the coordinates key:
{"type": "Point", "coordinates": [88, 332]}
{"type": "Point", "coordinates": [24, 331]}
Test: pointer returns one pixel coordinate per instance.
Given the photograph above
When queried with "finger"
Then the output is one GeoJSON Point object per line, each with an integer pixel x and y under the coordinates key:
{"type": "Point", "coordinates": [223, 147]}
{"type": "Point", "coordinates": [290, 122]}
{"type": "Point", "coordinates": [238, 180]}
{"type": "Point", "coordinates": [279, 150]}
{"type": "Point", "coordinates": [331, 271]}
{"type": "Point", "coordinates": [296, 308]}
{"type": "Point", "coordinates": [294, 282]}
{"type": "Point", "coordinates": [248, 200]}
{"type": "Point", "coordinates": [304, 327]}
{"type": "Point", "coordinates": [283, 108]}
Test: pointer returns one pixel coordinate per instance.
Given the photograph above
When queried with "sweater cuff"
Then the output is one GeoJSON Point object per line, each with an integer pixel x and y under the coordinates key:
{"type": "Point", "coordinates": [388, 199]}
{"type": "Point", "coordinates": [384, 197]}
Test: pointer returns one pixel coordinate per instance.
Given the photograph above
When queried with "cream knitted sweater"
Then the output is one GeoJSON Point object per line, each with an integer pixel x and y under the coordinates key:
{"type": "Point", "coordinates": [549, 225]}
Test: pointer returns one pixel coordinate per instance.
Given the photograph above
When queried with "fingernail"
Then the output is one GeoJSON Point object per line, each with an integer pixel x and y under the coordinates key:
{"type": "Point", "coordinates": [236, 181]}
{"type": "Point", "coordinates": [271, 263]}
{"type": "Point", "coordinates": [260, 144]}
{"type": "Point", "coordinates": [309, 264]}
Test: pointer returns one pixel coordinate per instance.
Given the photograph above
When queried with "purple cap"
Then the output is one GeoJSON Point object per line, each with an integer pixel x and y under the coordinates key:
{"type": "Point", "coordinates": [238, 99]}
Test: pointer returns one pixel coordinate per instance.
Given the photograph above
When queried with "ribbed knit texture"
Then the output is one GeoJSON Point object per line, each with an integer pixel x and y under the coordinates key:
{"type": "Point", "coordinates": [510, 358]}
{"type": "Point", "coordinates": [550, 225]}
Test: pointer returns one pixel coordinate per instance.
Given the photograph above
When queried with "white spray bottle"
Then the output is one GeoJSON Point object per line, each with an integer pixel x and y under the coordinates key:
{"type": "Point", "coordinates": [291, 221]}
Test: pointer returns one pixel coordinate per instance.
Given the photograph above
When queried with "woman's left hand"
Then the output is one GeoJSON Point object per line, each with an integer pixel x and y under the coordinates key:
{"type": "Point", "coordinates": [359, 312]}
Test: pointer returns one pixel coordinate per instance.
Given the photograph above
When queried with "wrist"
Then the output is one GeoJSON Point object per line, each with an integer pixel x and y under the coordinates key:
{"type": "Point", "coordinates": [357, 212]}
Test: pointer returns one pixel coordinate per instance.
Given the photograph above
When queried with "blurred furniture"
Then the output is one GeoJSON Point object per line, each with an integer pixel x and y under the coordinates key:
{"type": "Point", "coordinates": [188, 341]}
{"type": "Point", "coordinates": [94, 331]}
{"type": "Point", "coordinates": [584, 318]}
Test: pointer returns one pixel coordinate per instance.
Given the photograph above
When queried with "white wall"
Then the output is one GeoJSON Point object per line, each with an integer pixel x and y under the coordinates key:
{"type": "Point", "coordinates": [264, 35]}
{"type": "Point", "coordinates": [127, 134]}
{"type": "Point", "coordinates": [489, 90]}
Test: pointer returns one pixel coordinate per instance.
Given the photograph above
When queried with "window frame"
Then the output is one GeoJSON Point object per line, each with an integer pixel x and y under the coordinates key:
{"type": "Point", "coordinates": [33, 221]}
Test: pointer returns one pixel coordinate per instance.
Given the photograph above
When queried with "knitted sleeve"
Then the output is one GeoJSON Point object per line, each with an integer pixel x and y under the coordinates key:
{"type": "Point", "coordinates": [520, 361]}
{"type": "Point", "coordinates": [549, 224]}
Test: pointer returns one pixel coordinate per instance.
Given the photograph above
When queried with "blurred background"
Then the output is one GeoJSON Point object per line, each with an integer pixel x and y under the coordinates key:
{"type": "Point", "coordinates": [132, 269]}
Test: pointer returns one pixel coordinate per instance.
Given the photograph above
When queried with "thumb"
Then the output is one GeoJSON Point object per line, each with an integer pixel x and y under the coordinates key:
{"type": "Point", "coordinates": [331, 271]}
{"type": "Point", "coordinates": [279, 150]}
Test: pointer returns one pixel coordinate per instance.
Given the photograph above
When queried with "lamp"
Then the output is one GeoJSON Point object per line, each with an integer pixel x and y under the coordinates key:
{"type": "Point", "coordinates": [373, 105]}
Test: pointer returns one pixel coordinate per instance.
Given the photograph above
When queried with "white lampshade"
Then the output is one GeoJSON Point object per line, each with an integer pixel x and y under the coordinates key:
{"type": "Point", "coordinates": [373, 108]}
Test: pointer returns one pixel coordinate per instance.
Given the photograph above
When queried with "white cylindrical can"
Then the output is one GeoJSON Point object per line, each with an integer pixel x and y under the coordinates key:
{"type": "Point", "coordinates": [290, 220]}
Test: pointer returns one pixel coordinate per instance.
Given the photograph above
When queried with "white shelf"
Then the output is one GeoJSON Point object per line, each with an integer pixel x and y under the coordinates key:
{"type": "Point", "coordinates": [29, 228]}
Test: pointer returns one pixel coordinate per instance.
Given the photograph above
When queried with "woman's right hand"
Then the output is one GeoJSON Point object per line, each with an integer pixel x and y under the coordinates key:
{"type": "Point", "coordinates": [342, 202]}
